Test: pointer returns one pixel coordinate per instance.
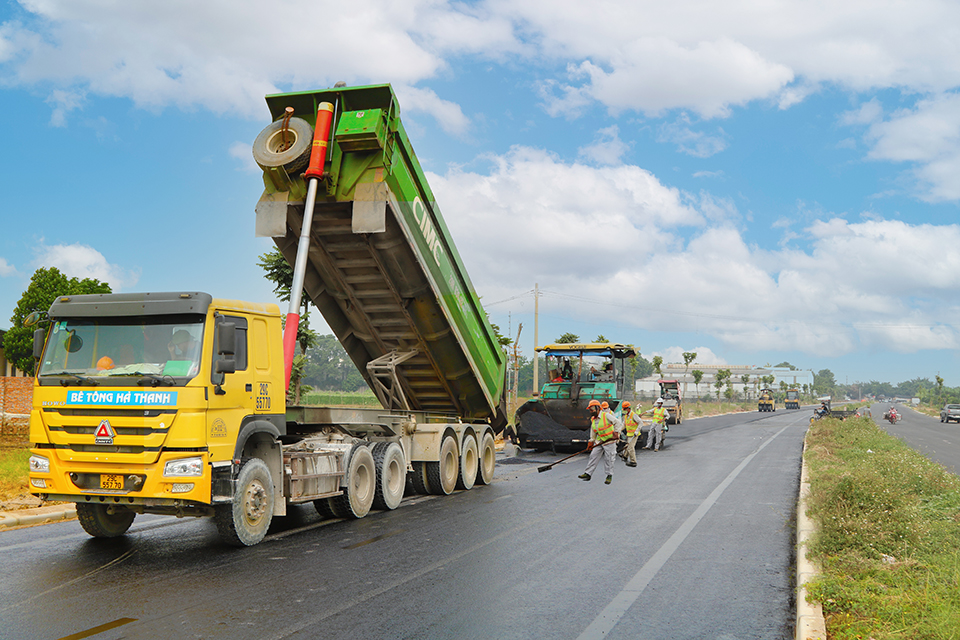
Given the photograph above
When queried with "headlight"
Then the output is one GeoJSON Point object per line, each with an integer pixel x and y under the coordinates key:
{"type": "Point", "coordinates": [39, 464]}
{"type": "Point", "coordinates": [184, 467]}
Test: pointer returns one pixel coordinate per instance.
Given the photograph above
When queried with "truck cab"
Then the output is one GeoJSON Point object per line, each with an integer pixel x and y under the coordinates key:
{"type": "Point", "coordinates": [145, 403]}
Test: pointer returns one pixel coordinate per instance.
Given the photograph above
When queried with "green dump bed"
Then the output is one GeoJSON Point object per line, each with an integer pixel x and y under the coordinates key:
{"type": "Point", "coordinates": [382, 268]}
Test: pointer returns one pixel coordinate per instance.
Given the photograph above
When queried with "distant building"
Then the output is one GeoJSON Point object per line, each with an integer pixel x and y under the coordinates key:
{"type": "Point", "coordinates": [648, 388]}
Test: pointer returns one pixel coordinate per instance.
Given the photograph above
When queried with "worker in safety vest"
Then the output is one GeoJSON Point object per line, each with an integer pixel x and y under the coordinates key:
{"type": "Point", "coordinates": [632, 424]}
{"type": "Point", "coordinates": [660, 415]}
{"type": "Point", "coordinates": [603, 441]}
{"type": "Point", "coordinates": [605, 408]}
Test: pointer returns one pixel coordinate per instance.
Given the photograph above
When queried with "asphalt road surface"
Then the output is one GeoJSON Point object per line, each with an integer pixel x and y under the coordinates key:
{"type": "Point", "coordinates": [696, 542]}
{"type": "Point", "coordinates": [938, 441]}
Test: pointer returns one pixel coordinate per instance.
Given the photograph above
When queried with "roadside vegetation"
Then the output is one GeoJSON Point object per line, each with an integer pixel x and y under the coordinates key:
{"type": "Point", "coordinates": [888, 542]}
{"type": "Point", "coordinates": [13, 472]}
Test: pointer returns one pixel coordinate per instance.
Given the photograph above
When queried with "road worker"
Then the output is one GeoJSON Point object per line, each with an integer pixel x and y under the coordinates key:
{"type": "Point", "coordinates": [660, 415]}
{"type": "Point", "coordinates": [602, 443]}
{"type": "Point", "coordinates": [632, 423]}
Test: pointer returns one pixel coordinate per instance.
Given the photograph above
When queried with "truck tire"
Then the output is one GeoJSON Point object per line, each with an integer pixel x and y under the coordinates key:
{"type": "Point", "coordinates": [245, 521]}
{"type": "Point", "coordinates": [488, 459]}
{"type": "Point", "coordinates": [361, 482]}
{"type": "Point", "coordinates": [418, 478]}
{"type": "Point", "coordinates": [442, 475]}
{"type": "Point", "coordinates": [469, 463]}
{"type": "Point", "coordinates": [96, 521]}
{"type": "Point", "coordinates": [268, 148]}
{"type": "Point", "coordinates": [391, 475]}
{"type": "Point", "coordinates": [322, 505]}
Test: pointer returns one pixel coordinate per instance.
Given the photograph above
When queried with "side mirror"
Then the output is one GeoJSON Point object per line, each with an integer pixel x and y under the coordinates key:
{"type": "Point", "coordinates": [225, 366]}
{"type": "Point", "coordinates": [33, 318]}
{"type": "Point", "coordinates": [38, 337]}
{"type": "Point", "coordinates": [226, 338]}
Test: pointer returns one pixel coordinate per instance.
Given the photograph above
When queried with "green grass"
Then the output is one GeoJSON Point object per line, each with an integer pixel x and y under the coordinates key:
{"type": "Point", "coordinates": [888, 542]}
{"type": "Point", "coordinates": [344, 399]}
{"type": "Point", "coordinates": [13, 471]}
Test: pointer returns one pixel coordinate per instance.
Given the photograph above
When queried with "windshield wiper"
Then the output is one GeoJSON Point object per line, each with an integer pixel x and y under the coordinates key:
{"type": "Point", "coordinates": [80, 379]}
{"type": "Point", "coordinates": [153, 379]}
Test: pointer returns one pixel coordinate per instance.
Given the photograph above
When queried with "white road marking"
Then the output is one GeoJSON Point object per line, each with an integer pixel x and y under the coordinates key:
{"type": "Point", "coordinates": [613, 612]}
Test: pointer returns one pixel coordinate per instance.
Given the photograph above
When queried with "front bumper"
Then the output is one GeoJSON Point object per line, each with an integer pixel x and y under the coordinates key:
{"type": "Point", "coordinates": [140, 485]}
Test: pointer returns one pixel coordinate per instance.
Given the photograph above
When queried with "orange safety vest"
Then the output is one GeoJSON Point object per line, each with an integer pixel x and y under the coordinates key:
{"type": "Point", "coordinates": [603, 427]}
{"type": "Point", "coordinates": [660, 415]}
{"type": "Point", "coordinates": [632, 423]}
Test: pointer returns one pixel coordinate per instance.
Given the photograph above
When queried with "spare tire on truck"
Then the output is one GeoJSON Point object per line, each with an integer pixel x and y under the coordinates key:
{"type": "Point", "coordinates": [287, 147]}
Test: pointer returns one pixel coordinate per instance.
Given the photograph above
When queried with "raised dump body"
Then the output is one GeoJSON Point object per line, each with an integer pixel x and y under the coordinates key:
{"type": "Point", "coordinates": [382, 267]}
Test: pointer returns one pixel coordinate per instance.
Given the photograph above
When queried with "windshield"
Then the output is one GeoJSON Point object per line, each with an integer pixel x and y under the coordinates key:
{"type": "Point", "coordinates": [89, 350]}
{"type": "Point", "coordinates": [567, 367]}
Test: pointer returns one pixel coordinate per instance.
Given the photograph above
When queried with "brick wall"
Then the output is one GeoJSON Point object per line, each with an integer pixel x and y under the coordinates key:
{"type": "Point", "coordinates": [16, 399]}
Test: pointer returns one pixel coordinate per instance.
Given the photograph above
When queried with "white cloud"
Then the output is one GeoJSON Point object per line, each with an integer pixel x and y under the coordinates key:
{"type": "Point", "coordinates": [582, 232]}
{"type": "Point", "coordinates": [6, 269]}
{"type": "Point", "coordinates": [225, 55]}
{"type": "Point", "coordinates": [694, 143]}
{"type": "Point", "coordinates": [82, 261]}
{"type": "Point", "coordinates": [607, 147]}
{"type": "Point", "coordinates": [448, 114]}
{"type": "Point", "coordinates": [243, 151]}
{"type": "Point", "coordinates": [868, 113]}
{"type": "Point", "coordinates": [927, 136]}
{"type": "Point", "coordinates": [565, 221]}
{"type": "Point", "coordinates": [674, 355]}
{"type": "Point", "coordinates": [63, 103]}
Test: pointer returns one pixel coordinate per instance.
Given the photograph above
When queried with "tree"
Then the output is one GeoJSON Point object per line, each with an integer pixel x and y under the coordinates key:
{"type": "Point", "coordinates": [568, 338]}
{"type": "Point", "coordinates": [45, 285]}
{"type": "Point", "coordinates": [939, 389]}
{"type": "Point", "coordinates": [745, 379]}
{"type": "Point", "coordinates": [280, 273]}
{"type": "Point", "coordinates": [785, 365]}
{"type": "Point", "coordinates": [824, 383]}
{"type": "Point", "coordinates": [601, 339]}
{"type": "Point", "coordinates": [723, 376]}
{"type": "Point", "coordinates": [697, 377]}
{"type": "Point", "coordinates": [657, 364]}
{"type": "Point", "coordinates": [688, 357]}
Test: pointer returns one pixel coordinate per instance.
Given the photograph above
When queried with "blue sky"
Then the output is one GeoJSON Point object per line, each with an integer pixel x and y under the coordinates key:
{"type": "Point", "coordinates": [756, 182]}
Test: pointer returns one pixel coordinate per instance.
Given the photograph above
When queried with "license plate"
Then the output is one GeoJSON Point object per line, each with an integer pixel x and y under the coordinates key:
{"type": "Point", "coordinates": [111, 481]}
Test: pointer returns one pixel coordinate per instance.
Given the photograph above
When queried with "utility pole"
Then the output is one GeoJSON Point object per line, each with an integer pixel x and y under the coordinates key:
{"type": "Point", "coordinates": [536, 337]}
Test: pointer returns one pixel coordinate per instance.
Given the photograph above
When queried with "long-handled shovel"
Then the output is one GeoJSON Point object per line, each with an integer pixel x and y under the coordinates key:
{"type": "Point", "coordinates": [547, 467]}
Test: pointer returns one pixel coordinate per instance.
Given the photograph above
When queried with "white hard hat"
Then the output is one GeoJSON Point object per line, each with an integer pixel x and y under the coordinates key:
{"type": "Point", "coordinates": [659, 401]}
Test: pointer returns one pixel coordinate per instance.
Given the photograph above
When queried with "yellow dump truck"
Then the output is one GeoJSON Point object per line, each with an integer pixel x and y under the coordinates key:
{"type": "Point", "coordinates": [174, 402]}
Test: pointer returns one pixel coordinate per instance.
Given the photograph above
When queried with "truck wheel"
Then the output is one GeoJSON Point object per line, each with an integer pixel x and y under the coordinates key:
{"type": "Point", "coordinates": [322, 505]}
{"type": "Point", "coordinates": [290, 150]}
{"type": "Point", "coordinates": [488, 459]}
{"type": "Point", "coordinates": [391, 475]}
{"type": "Point", "coordinates": [419, 478]}
{"type": "Point", "coordinates": [442, 475]}
{"type": "Point", "coordinates": [96, 521]}
{"type": "Point", "coordinates": [244, 522]}
{"type": "Point", "coordinates": [469, 462]}
{"type": "Point", "coordinates": [361, 482]}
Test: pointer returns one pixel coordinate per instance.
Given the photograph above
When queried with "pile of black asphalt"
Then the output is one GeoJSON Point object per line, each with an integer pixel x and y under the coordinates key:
{"type": "Point", "coordinates": [540, 431]}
